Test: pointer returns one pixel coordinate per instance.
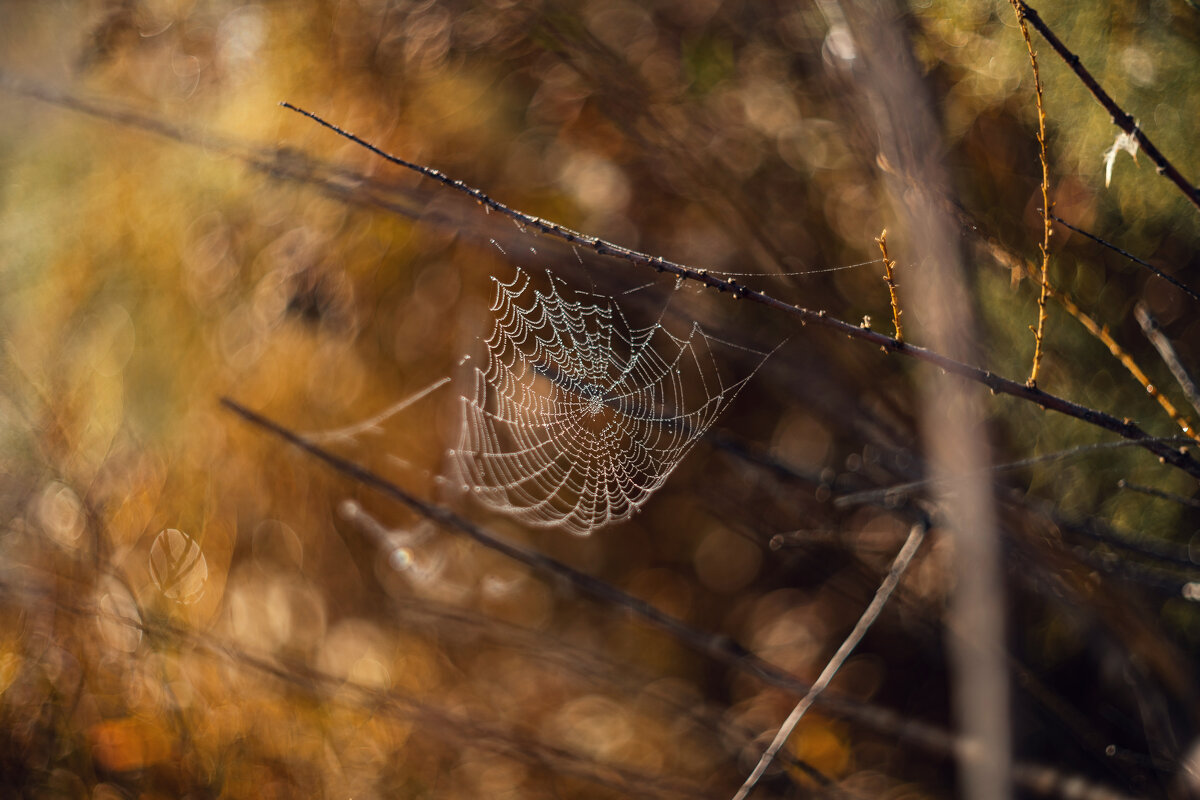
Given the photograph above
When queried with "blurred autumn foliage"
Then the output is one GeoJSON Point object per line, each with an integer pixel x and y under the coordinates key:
{"type": "Point", "coordinates": [191, 608]}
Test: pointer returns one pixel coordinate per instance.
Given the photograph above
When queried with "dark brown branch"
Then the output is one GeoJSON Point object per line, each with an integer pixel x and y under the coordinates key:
{"type": "Point", "coordinates": [1037, 778]}
{"type": "Point", "coordinates": [338, 183]}
{"type": "Point", "coordinates": [720, 648]}
{"type": "Point", "coordinates": [1120, 118]}
{"type": "Point", "coordinates": [1189, 291]}
{"type": "Point", "coordinates": [291, 166]}
{"type": "Point", "coordinates": [1125, 428]}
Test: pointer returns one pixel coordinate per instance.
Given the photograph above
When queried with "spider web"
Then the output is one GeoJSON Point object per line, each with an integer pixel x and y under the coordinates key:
{"type": "Point", "coordinates": [578, 417]}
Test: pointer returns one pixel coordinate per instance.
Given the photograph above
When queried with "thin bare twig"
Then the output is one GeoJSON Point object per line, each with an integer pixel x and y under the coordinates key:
{"type": "Point", "coordinates": [1120, 118]}
{"type": "Point", "coordinates": [720, 648]}
{"type": "Point", "coordinates": [890, 495]}
{"type": "Point", "coordinates": [915, 536]}
{"type": "Point", "coordinates": [889, 277]}
{"type": "Point", "coordinates": [1040, 332]}
{"type": "Point", "coordinates": [1167, 350]}
{"type": "Point", "coordinates": [1160, 494]}
{"type": "Point", "coordinates": [1189, 291]}
{"type": "Point", "coordinates": [1125, 428]}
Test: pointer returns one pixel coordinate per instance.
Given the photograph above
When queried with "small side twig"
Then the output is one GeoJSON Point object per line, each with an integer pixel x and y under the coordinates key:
{"type": "Point", "coordinates": [882, 595]}
{"type": "Point", "coordinates": [1165, 349]}
{"type": "Point", "coordinates": [889, 277]}
{"type": "Point", "coordinates": [1120, 118]}
{"type": "Point", "coordinates": [1040, 331]}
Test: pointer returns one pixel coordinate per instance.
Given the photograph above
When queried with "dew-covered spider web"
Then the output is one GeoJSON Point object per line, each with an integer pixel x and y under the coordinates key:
{"type": "Point", "coordinates": [577, 417]}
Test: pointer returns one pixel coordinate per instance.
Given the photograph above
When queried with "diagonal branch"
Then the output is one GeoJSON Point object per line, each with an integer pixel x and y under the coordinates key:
{"type": "Point", "coordinates": [350, 188]}
{"type": "Point", "coordinates": [915, 536]}
{"type": "Point", "coordinates": [1189, 291]}
{"type": "Point", "coordinates": [1039, 779]}
{"type": "Point", "coordinates": [1125, 428]}
{"type": "Point", "coordinates": [1166, 350]}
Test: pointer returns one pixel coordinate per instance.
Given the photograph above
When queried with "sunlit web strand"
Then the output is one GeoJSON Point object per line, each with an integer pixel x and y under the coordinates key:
{"type": "Point", "coordinates": [801, 273]}
{"type": "Point", "coordinates": [577, 417]}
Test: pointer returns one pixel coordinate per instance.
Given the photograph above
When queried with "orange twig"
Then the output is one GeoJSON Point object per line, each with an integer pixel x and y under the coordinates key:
{"type": "Point", "coordinates": [1039, 333]}
{"type": "Point", "coordinates": [1101, 333]}
{"type": "Point", "coordinates": [1013, 262]}
{"type": "Point", "coordinates": [889, 278]}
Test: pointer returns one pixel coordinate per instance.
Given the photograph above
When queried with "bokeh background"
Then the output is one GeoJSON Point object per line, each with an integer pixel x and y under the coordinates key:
{"type": "Point", "coordinates": [193, 608]}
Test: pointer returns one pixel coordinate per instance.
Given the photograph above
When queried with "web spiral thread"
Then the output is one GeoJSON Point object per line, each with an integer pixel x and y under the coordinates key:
{"type": "Point", "coordinates": [577, 416]}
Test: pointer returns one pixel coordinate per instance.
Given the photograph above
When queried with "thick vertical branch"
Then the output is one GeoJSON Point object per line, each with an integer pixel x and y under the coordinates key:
{"type": "Point", "coordinates": [952, 418]}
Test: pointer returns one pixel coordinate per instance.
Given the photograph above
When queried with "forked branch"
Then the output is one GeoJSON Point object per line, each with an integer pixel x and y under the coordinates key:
{"type": "Point", "coordinates": [1120, 118]}
{"type": "Point", "coordinates": [1179, 458]}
